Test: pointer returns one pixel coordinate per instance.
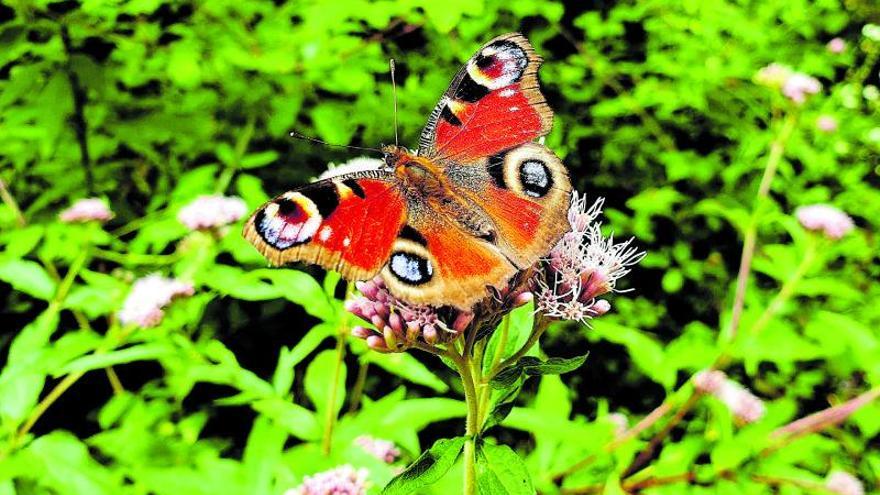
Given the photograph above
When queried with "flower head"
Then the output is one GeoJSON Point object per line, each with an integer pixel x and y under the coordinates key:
{"type": "Point", "coordinates": [148, 296]}
{"type": "Point", "coordinates": [342, 480]}
{"type": "Point", "coordinates": [384, 450]}
{"type": "Point", "coordinates": [836, 45]}
{"type": "Point", "coordinates": [207, 212]}
{"type": "Point", "coordinates": [620, 422]}
{"type": "Point", "coordinates": [833, 222]}
{"type": "Point", "coordinates": [398, 324]}
{"type": "Point", "coordinates": [796, 86]}
{"type": "Point", "coordinates": [354, 165]}
{"type": "Point", "coordinates": [843, 483]}
{"type": "Point", "coordinates": [826, 123]}
{"type": "Point", "coordinates": [86, 210]}
{"type": "Point", "coordinates": [744, 405]}
{"type": "Point", "coordinates": [583, 266]}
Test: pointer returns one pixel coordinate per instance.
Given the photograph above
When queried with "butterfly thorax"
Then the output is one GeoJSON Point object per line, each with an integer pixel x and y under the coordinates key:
{"type": "Point", "coordinates": [423, 181]}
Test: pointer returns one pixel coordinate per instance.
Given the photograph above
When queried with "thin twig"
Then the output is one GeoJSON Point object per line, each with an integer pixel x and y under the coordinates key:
{"type": "Point", "coordinates": [777, 148]}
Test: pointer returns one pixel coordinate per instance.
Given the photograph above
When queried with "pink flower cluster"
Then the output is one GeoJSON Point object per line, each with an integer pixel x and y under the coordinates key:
{"type": "Point", "coordinates": [826, 123]}
{"type": "Point", "coordinates": [384, 450]}
{"type": "Point", "coordinates": [144, 306]}
{"type": "Point", "coordinates": [86, 210]}
{"type": "Point", "coordinates": [744, 405]}
{"type": "Point", "coordinates": [833, 222]}
{"type": "Point", "coordinates": [343, 480]}
{"type": "Point", "coordinates": [836, 45]}
{"type": "Point", "coordinates": [398, 324]}
{"type": "Point", "coordinates": [583, 266]}
{"type": "Point", "coordinates": [843, 483]}
{"type": "Point", "coordinates": [208, 212]}
{"type": "Point", "coordinates": [796, 86]}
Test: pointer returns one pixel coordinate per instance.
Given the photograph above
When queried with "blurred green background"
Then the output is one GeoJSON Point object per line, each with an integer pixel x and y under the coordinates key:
{"type": "Point", "coordinates": [151, 103]}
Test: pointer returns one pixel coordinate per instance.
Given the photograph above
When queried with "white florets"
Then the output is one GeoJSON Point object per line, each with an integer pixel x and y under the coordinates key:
{"type": "Point", "coordinates": [148, 297]}
{"type": "Point", "coordinates": [207, 212]}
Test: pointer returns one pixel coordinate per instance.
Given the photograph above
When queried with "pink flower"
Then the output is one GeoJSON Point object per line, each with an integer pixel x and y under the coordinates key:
{"type": "Point", "coordinates": [826, 123]}
{"type": "Point", "coordinates": [86, 210]}
{"type": "Point", "coordinates": [384, 450]}
{"type": "Point", "coordinates": [825, 218]}
{"type": "Point", "coordinates": [796, 86]}
{"type": "Point", "coordinates": [836, 45]}
{"type": "Point", "coordinates": [207, 212]}
{"type": "Point", "coordinates": [583, 266]}
{"type": "Point", "coordinates": [620, 422]}
{"type": "Point", "coordinates": [343, 480]}
{"type": "Point", "coordinates": [398, 325]}
{"type": "Point", "coordinates": [799, 85]}
{"type": "Point", "coordinates": [773, 75]}
{"type": "Point", "coordinates": [843, 483]}
{"type": "Point", "coordinates": [744, 405]}
{"type": "Point", "coordinates": [709, 381]}
{"type": "Point", "coordinates": [148, 296]}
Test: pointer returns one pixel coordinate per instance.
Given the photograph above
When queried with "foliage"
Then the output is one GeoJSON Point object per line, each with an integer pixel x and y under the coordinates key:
{"type": "Point", "coordinates": [252, 383]}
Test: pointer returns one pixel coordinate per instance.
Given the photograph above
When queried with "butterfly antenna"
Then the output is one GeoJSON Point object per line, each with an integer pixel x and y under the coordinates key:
{"type": "Point", "coordinates": [299, 135]}
{"type": "Point", "coordinates": [394, 93]}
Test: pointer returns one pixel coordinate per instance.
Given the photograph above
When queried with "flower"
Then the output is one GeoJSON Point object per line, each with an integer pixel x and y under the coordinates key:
{"type": "Point", "coordinates": [400, 325]}
{"type": "Point", "coordinates": [843, 483]}
{"type": "Point", "coordinates": [384, 450]}
{"type": "Point", "coordinates": [794, 85]}
{"type": "Point", "coordinates": [148, 296]}
{"type": "Point", "coordinates": [825, 218]}
{"type": "Point", "coordinates": [583, 266]}
{"type": "Point", "coordinates": [709, 381]}
{"type": "Point", "coordinates": [744, 405]}
{"type": "Point", "coordinates": [836, 45]}
{"type": "Point", "coordinates": [354, 165]}
{"type": "Point", "coordinates": [826, 123]}
{"type": "Point", "coordinates": [620, 422]}
{"type": "Point", "coordinates": [799, 85]}
{"type": "Point", "coordinates": [773, 75]}
{"type": "Point", "coordinates": [206, 212]}
{"type": "Point", "coordinates": [86, 210]}
{"type": "Point", "coordinates": [342, 480]}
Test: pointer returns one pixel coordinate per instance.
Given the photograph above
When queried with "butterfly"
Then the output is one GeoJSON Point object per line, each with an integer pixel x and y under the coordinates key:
{"type": "Point", "coordinates": [478, 201]}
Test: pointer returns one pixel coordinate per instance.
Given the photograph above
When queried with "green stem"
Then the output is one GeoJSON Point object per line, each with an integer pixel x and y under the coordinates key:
{"type": "Point", "coordinates": [777, 149]}
{"type": "Point", "coordinates": [241, 146]}
{"type": "Point", "coordinates": [330, 417]}
{"type": "Point", "coordinates": [462, 362]}
{"type": "Point", "coordinates": [787, 289]}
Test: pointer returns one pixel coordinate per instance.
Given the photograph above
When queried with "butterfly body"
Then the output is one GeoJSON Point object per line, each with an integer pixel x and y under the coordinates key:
{"type": "Point", "coordinates": [476, 203]}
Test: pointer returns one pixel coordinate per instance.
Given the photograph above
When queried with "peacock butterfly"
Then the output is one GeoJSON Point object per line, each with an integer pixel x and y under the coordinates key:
{"type": "Point", "coordinates": [478, 201]}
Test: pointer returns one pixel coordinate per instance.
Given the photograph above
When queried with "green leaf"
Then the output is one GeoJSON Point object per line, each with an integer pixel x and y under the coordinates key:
{"type": "Point", "coordinates": [533, 366]}
{"type": "Point", "coordinates": [67, 467]}
{"type": "Point", "coordinates": [295, 419]}
{"type": "Point", "coordinates": [22, 379]}
{"type": "Point", "coordinates": [301, 288]}
{"type": "Point", "coordinates": [407, 367]}
{"type": "Point", "coordinates": [255, 160]}
{"type": "Point", "coordinates": [143, 352]}
{"type": "Point", "coordinates": [28, 277]}
{"type": "Point", "coordinates": [428, 468]}
{"type": "Point", "coordinates": [319, 381]}
{"type": "Point", "coordinates": [501, 471]}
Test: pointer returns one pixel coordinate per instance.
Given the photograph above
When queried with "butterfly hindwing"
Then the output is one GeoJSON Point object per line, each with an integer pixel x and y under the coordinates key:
{"type": "Point", "coordinates": [436, 262]}
{"type": "Point", "coordinates": [347, 224]}
{"type": "Point", "coordinates": [525, 192]}
{"type": "Point", "coordinates": [492, 104]}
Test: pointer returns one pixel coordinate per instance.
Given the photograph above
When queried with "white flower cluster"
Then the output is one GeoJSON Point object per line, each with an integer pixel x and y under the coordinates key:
{"type": "Point", "coordinates": [148, 297]}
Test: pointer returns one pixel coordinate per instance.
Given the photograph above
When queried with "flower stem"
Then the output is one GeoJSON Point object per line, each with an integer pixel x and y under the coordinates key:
{"type": "Point", "coordinates": [462, 363]}
{"type": "Point", "coordinates": [330, 417]}
{"type": "Point", "coordinates": [777, 149]}
{"type": "Point", "coordinates": [788, 288]}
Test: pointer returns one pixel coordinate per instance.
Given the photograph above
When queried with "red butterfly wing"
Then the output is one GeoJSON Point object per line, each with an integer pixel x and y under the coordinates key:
{"type": "Point", "coordinates": [347, 223]}
{"type": "Point", "coordinates": [493, 104]}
